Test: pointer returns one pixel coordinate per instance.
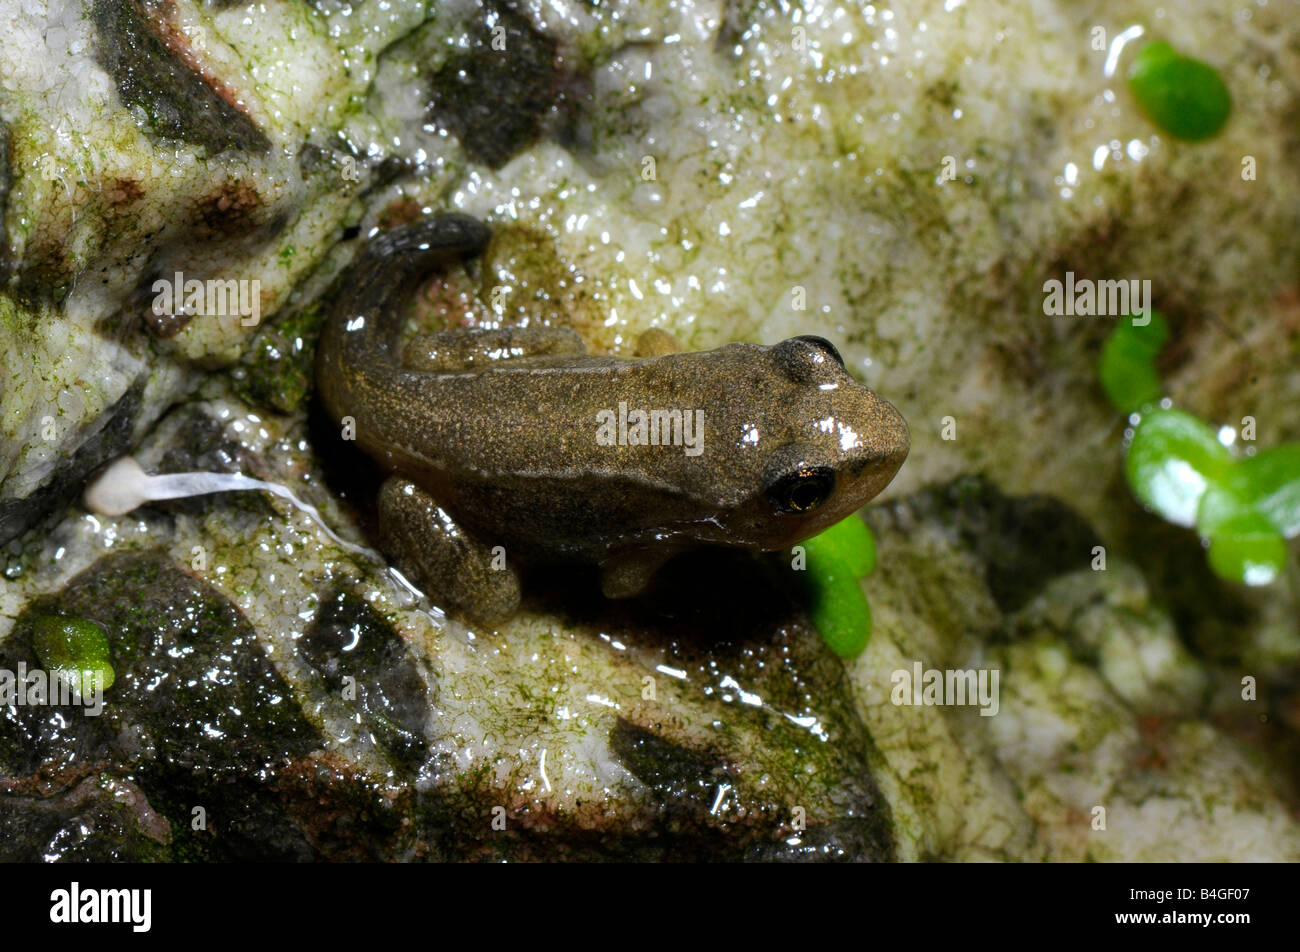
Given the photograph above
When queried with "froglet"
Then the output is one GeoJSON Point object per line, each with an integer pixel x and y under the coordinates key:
{"type": "Point", "coordinates": [506, 446]}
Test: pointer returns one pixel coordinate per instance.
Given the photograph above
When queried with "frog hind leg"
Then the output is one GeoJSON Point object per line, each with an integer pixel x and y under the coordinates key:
{"type": "Point", "coordinates": [465, 577]}
{"type": "Point", "coordinates": [466, 348]}
{"type": "Point", "coordinates": [655, 342]}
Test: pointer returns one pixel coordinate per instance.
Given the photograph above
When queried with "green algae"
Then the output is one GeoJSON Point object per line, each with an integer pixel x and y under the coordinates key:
{"type": "Point", "coordinates": [276, 369]}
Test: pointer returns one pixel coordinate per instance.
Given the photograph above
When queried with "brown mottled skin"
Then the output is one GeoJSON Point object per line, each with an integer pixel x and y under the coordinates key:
{"type": "Point", "coordinates": [492, 437]}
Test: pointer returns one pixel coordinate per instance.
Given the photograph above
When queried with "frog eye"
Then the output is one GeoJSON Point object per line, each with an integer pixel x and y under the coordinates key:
{"type": "Point", "coordinates": [802, 490]}
{"type": "Point", "coordinates": [822, 344]}
{"type": "Point", "coordinates": [807, 359]}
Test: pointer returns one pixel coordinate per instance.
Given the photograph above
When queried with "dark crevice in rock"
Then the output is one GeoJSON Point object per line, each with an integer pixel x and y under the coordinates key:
{"type": "Point", "coordinates": [178, 102]}
{"type": "Point", "coordinates": [495, 92]}
{"type": "Point", "coordinates": [685, 781]}
{"type": "Point", "coordinates": [1210, 613]}
{"type": "Point", "coordinates": [702, 599]}
{"type": "Point", "coordinates": [346, 815]}
{"type": "Point", "coordinates": [363, 661]}
{"type": "Point", "coordinates": [351, 476]}
{"type": "Point", "coordinates": [200, 444]}
{"type": "Point", "coordinates": [1023, 541]}
{"type": "Point", "coordinates": [276, 370]}
{"type": "Point", "coordinates": [112, 439]}
{"type": "Point", "coordinates": [734, 23]}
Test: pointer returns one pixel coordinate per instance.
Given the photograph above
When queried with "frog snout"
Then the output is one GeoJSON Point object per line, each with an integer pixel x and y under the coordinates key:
{"type": "Point", "coordinates": [894, 438]}
{"type": "Point", "coordinates": [883, 444]}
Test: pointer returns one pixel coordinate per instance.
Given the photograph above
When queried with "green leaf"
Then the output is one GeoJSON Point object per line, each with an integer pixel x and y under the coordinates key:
{"type": "Point", "coordinates": [1183, 96]}
{"type": "Point", "coordinates": [74, 649]}
{"type": "Point", "coordinates": [1173, 458]}
{"type": "Point", "coordinates": [1268, 483]}
{"type": "Point", "coordinates": [1146, 338]}
{"type": "Point", "coordinates": [1224, 501]}
{"type": "Point", "coordinates": [1129, 379]}
{"type": "Point", "coordinates": [846, 546]}
{"type": "Point", "coordinates": [1271, 481]}
{"type": "Point", "coordinates": [836, 559]}
{"type": "Point", "coordinates": [1127, 368]}
{"type": "Point", "coordinates": [842, 615]}
{"type": "Point", "coordinates": [1247, 548]}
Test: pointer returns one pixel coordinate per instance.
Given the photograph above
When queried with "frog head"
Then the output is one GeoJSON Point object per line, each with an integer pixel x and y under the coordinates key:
{"type": "Point", "coordinates": [813, 448]}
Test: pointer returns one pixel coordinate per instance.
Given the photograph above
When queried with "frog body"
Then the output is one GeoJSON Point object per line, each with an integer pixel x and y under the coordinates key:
{"type": "Point", "coordinates": [515, 444]}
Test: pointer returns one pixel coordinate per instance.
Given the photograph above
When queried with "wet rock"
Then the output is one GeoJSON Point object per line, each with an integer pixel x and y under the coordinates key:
{"type": "Point", "coordinates": [103, 818]}
{"type": "Point", "coordinates": [702, 722]}
{"type": "Point", "coordinates": [196, 714]}
{"type": "Point", "coordinates": [364, 661]}
{"type": "Point", "coordinates": [4, 196]}
{"type": "Point", "coordinates": [109, 439]}
{"type": "Point", "coordinates": [347, 815]}
{"type": "Point", "coordinates": [1099, 702]}
{"type": "Point", "coordinates": [198, 443]}
{"type": "Point", "coordinates": [1023, 541]}
{"type": "Point", "coordinates": [737, 16]}
{"type": "Point", "coordinates": [494, 91]}
{"type": "Point", "coordinates": [686, 784]}
{"type": "Point", "coordinates": [276, 371]}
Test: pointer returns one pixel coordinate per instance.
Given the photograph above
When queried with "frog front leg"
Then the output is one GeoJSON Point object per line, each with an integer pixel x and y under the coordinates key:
{"type": "Point", "coordinates": [459, 573]}
{"type": "Point", "coordinates": [628, 574]}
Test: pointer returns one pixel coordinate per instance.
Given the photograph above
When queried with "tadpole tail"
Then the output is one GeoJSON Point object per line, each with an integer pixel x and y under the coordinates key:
{"type": "Point", "coordinates": [364, 320]}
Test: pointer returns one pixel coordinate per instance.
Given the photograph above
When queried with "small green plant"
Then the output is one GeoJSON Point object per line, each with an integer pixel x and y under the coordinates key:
{"type": "Point", "coordinates": [1128, 363]}
{"type": "Point", "coordinates": [1243, 507]}
{"type": "Point", "coordinates": [1183, 96]}
{"type": "Point", "coordinates": [836, 561]}
{"type": "Point", "coordinates": [75, 650]}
